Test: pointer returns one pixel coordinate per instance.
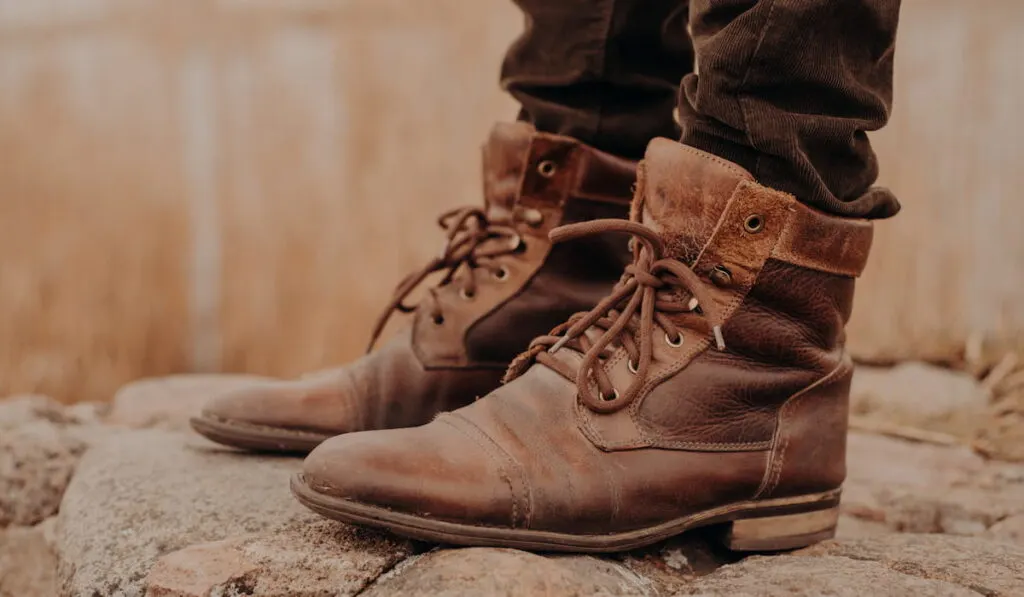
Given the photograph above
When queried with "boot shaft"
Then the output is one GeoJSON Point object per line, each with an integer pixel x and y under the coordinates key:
{"type": "Point", "coordinates": [780, 277]}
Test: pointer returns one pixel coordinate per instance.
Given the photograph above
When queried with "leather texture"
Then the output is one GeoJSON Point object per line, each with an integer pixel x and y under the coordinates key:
{"type": "Point", "coordinates": [532, 182]}
{"type": "Point", "coordinates": [763, 417]}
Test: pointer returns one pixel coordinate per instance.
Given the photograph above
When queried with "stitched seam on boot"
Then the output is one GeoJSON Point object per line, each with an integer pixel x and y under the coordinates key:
{"type": "Point", "coordinates": [730, 308]}
{"type": "Point", "coordinates": [774, 473]}
{"type": "Point", "coordinates": [689, 354]}
{"type": "Point", "coordinates": [497, 454]}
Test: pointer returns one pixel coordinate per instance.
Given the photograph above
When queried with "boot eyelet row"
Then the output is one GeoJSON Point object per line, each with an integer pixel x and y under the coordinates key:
{"type": "Point", "coordinates": [674, 343]}
{"type": "Point", "coordinates": [547, 168]}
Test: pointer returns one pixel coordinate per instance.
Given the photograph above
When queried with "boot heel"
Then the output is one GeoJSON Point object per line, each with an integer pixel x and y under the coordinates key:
{"type": "Point", "coordinates": [781, 532]}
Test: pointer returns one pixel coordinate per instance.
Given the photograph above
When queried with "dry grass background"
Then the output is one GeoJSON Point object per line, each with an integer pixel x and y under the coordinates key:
{"type": "Point", "coordinates": [237, 184]}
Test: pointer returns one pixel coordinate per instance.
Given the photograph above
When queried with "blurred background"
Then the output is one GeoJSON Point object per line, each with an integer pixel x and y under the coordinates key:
{"type": "Point", "coordinates": [236, 185]}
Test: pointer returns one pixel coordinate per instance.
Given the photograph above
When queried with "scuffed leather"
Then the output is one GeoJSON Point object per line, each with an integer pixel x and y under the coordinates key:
{"type": "Point", "coordinates": [763, 417]}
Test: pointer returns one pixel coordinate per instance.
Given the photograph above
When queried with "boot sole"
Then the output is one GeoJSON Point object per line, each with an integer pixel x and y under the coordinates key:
{"type": "Point", "coordinates": [258, 438]}
{"type": "Point", "coordinates": [762, 525]}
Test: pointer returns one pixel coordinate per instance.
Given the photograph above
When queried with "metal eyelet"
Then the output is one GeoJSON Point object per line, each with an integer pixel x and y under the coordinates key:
{"type": "Point", "coordinates": [720, 276]}
{"type": "Point", "coordinates": [612, 398]}
{"type": "Point", "coordinates": [533, 217]}
{"type": "Point", "coordinates": [547, 168]}
{"type": "Point", "coordinates": [754, 223]}
{"type": "Point", "coordinates": [632, 368]}
{"type": "Point", "coordinates": [501, 274]}
{"type": "Point", "coordinates": [465, 295]}
{"type": "Point", "coordinates": [674, 343]}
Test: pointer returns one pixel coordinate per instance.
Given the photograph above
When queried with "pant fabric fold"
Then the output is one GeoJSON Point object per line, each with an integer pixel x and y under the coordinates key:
{"type": "Point", "coordinates": [788, 89]}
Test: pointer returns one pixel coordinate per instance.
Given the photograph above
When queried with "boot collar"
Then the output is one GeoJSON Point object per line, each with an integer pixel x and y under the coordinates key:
{"type": "Point", "coordinates": [703, 204]}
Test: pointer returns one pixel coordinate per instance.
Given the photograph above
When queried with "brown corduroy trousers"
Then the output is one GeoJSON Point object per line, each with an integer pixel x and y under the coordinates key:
{"type": "Point", "coordinates": [788, 89]}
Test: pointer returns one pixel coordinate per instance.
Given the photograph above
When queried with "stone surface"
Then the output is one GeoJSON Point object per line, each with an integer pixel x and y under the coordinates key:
{"type": "Point", "coordinates": [142, 494]}
{"type": "Point", "coordinates": [673, 563]}
{"type": "Point", "coordinates": [301, 560]}
{"type": "Point", "coordinates": [27, 562]}
{"type": "Point", "coordinates": [804, 576]}
{"type": "Point", "coordinates": [484, 571]}
{"type": "Point", "coordinates": [893, 565]}
{"type": "Point", "coordinates": [28, 408]}
{"type": "Point", "coordinates": [922, 488]}
{"type": "Point", "coordinates": [1009, 529]}
{"type": "Point", "coordinates": [38, 453]}
{"type": "Point", "coordinates": [991, 568]}
{"type": "Point", "coordinates": [922, 396]}
{"type": "Point", "coordinates": [169, 402]}
{"type": "Point", "coordinates": [1003, 437]}
{"type": "Point", "coordinates": [162, 513]}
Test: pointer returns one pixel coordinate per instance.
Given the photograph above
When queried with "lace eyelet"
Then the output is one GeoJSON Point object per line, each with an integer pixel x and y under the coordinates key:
{"type": "Point", "coordinates": [439, 320]}
{"type": "Point", "coordinates": [612, 398]}
{"type": "Point", "coordinates": [674, 343]}
{"type": "Point", "coordinates": [721, 276]}
{"type": "Point", "coordinates": [501, 274]}
{"type": "Point", "coordinates": [465, 295]}
{"type": "Point", "coordinates": [547, 168]}
{"type": "Point", "coordinates": [533, 217]}
{"type": "Point", "coordinates": [754, 223]}
{"type": "Point", "coordinates": [634, 369]}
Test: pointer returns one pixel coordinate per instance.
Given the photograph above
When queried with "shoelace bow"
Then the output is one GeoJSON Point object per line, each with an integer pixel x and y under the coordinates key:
{"type": "Point", "coordinates": [472, 240]}
{"type": "Point", "coordinates": [645, 296]}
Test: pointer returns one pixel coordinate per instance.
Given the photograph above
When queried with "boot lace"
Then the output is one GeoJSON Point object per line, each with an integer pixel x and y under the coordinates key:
{"type": "Point", "coordinates": [651, 289]}
{"type": "Point", "coordinates": [473, 241]}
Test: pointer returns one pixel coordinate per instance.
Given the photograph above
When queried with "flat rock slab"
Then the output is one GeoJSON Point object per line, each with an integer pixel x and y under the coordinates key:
{"type": "Point", "coordinates": [142, 494]}
{"type": "Point", "coordinates": [485, 571]}
{"type": "Point", "coordinates": [804, 576]}
{"type": "Point", "coordinates": [300, 560]}
{"type": "Point", "coordinates": [922, 396]}
{"type": "Point", "coordinates": [889, 566]}
{"type": "Point", "coordinates": [169, 402]}
{"type": "Point", "coordinates": [986, 567]}
{"type": "Point", "coordinates": [923, 488]}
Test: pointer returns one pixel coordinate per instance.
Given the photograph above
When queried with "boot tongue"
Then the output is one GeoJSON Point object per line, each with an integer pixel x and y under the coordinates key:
{"type": "Point", "coordinates": [683, 193]}
{"type": "Point", "coordinates": [504, 159]}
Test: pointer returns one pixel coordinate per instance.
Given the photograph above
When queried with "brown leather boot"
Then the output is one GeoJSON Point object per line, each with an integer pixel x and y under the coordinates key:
{"type": "Point", "coordinates": [502, 284]}
{"type": "Point", "coordinates": [709, 388]}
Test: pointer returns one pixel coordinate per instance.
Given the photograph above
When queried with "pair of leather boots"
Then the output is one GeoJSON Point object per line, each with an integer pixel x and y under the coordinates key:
{"type": "Point", "coordinates": [693, 376]}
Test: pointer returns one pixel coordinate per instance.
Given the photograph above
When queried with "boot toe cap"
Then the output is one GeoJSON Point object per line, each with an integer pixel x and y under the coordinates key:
{"type": "Point", "coordinates": [433, 471]}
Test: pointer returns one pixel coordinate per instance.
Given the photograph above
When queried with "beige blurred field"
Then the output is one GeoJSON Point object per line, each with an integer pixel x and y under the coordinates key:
{"type": "Point", "coordinates": [207, 185]}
